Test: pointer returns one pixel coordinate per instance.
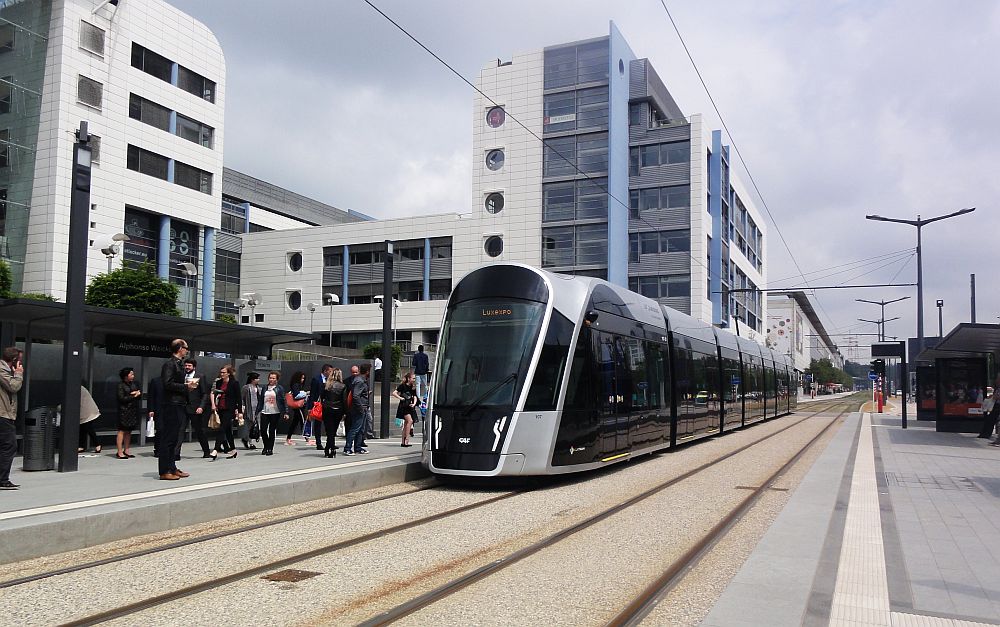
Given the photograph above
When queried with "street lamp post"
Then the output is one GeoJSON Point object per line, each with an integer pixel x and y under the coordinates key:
{"type": "Point", "coordinates": [919, 223]}
{"type": "Point", "coordinates": [112, 249]}
{"type": "Point", "coordinates": [940, 306]}
{"type": "Point", "coordinates": [882, 304]}
{"type": "Point", "coordinates": [331, 299]}
{"type": "Point", "coordinates": [252, 300]}
{"type": "Point", "coordinates": [879, 326]}
{"type": "Point", "coordinates": [312, 311]}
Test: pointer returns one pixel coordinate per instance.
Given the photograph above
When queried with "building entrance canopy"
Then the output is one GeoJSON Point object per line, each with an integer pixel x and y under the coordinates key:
{"type": "Point", "coordinates": [46, 320]}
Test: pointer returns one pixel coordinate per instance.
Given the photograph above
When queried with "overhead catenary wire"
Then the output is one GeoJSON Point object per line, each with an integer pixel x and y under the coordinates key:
{"type": "Point", "coordinates": [849, 266]}
{"type": "Point", "coordinates": [514, 118]}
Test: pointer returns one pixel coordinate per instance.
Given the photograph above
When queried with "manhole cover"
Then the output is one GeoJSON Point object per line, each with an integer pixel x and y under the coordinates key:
{"type": "Point", "coordinates": [930, 482]}
{"type": "Point", "coordinates": [292, 574]}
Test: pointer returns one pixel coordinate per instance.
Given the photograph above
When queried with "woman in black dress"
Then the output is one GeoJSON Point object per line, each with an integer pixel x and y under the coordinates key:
{"type": "Point", "coordinates": [226, 399]}
{"type": "Point", "coordinates": [129, 402]}
{"type": "Point", "coordinates": [406, 392]}
{"type": "Point", "coordinates": [333, 409]}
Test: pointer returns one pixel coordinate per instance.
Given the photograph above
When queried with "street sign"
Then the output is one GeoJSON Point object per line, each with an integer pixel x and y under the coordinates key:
{"type": "Point", "coordinates": [871, 375]}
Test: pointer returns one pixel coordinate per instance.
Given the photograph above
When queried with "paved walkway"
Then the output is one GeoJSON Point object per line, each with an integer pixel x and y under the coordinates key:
{"type": "Point", "coordinates": [890, 527]}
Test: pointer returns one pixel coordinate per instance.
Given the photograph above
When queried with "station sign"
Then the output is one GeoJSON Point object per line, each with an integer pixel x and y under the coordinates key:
{"type": "Point", "coordinates": [137, 346]}
{"type": "Point", "coordinates": [268, 365]}
{"type": "Point", "coordinates": [889, 349]}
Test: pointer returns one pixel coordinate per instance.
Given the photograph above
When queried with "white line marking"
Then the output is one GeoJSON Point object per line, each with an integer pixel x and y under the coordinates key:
{"type": "Point", "coordinates": [123, 498]}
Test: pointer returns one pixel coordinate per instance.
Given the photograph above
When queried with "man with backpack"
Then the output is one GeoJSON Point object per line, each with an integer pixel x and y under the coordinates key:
{"type": "Point", "coordinates": [358, 410]}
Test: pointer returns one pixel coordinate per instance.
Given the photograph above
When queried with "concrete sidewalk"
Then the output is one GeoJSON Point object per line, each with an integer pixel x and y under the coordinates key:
{"type": "Point", "coordinates": [889, 527]}
{"type": "Point", "coordinates": [111, 499]}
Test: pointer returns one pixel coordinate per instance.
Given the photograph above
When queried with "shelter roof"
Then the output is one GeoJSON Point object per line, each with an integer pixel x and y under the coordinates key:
{"type": "Point", "coordinates": [46, 320]}
{"type": "Point", "coordinates": [968, 339]}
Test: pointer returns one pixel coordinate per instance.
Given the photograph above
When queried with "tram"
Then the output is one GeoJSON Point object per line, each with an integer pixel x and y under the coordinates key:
{"type": "Point", "coordinates": [539, 373]}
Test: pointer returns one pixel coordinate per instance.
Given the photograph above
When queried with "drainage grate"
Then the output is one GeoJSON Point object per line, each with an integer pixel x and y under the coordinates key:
{"type": "Point", "coordinates": [930, 482]}
{"type": "Point", "coordinates": [292, 575]}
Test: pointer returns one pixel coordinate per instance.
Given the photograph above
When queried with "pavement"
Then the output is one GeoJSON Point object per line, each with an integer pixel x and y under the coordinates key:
{"type": "Point", "coordinates": [889, 527]}
{"type": "Point", "coordinates": [110, 499]}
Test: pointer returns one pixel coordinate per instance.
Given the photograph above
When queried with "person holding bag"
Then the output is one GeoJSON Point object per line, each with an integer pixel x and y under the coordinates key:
{"type": "Point", "coordinates": [271, 402]}
{"type": "Point", "coordinates": [295, 402]}
{"type": "Point", "coordinates": [406, 412]}
{"type": "Point", "coordinates": [332, 398]}
{"type": "Point", "coordinates": [226, 404]}
{"type": "Point", "coordinates": [250, 429]}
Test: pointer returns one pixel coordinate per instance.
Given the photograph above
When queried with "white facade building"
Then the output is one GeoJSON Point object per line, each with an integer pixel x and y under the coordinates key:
{"type": "Point", "coordinates": [794, 329]}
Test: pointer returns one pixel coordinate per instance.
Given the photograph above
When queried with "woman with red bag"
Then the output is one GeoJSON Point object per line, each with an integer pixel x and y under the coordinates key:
{"type": "Point", "coordinates": [295, 400]}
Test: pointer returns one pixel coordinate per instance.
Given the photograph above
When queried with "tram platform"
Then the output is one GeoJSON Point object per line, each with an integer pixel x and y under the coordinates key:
{"type": "Point", "coordinates": [889, 527]}
{"type": "Point", "coordinates": [111, 499]}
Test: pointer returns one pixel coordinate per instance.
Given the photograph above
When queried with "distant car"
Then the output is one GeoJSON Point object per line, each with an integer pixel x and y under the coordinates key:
{"type": "Point", "coordinates": [701, 398]}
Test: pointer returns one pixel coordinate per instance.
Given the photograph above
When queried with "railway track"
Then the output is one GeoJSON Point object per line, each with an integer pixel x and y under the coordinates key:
{"type": "Point", "coordinates": [401, 610]}
{"type": "Point", "coordinates": [643, 603]}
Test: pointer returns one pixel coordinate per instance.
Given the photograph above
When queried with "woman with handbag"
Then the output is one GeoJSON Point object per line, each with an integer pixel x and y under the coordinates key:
{"type": "Point", "coordinates": [129, 402]}
{"type": "Point", "coordinates": [332, 400]}
{"type": "Point", "coordinates": [295, 400]}
{"type": "Point", "coordinates": [226, 405]}
{"type": "Point", "coordinates": [271, 402]}
{"type": "Point", "coordinates": [406, 412]}
{"type": "Point", "coordinates": [250, 429]}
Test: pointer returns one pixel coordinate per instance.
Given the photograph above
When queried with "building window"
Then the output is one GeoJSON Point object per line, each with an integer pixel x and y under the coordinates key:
{"type": "Point", "coordinates": [295, 261]}
{"type": "Point", "coordinates": [6, 83]}
{"type": "Point", "coordinates": [584, 199]}
{"type": "Point", "coordinates": [151, 63]}
{"type": "Point", "coordinates": [143, 244]}
{"type": "Point", "coordinates": [440, 289]}
{"type": "Point", "coordinates": [332, 256]}
{"type": "Point", "coordinates": [148, 112]}
{"type": "Point", "coordinates": [195, 131]}
{"type": "Point", "coordinates": [495, 159]}
{"type": "Point", "coordinates": [146, 162]}
{"type": "Point", "coordinates": [652, 155]}
{"type": "Point", "coordinates": [89, 92]}
{"type": "Point", "coordinates": [633, 204]}
{"type": "Point", "coordinates": [409, 253]}
{"type": "Point", "coordinates": [227, 281]}
{"type": "Point", "coordinates": [654, 242]}
{"type": "Point", "coordinates": [670, 286]}
{"type": "Point", "coordinates": [633, 248]}
{"type": "Point", "coordinates": [4, 147]}
{"type": "Point", "coordinates": [495, 117]}
{"type": "Point", "coordinates": [580, 245]}
{"type": "Point", "coordinates": [494, 202]}
{"type": "Point", "coordinates": [195, 83]}
{"type": "Point", "coordinates": [3, 216]}
{"type": "Point", "coordinates": [441, 251]}
{"type": "Point", "coordinates": [234, 225]}
{"type": "Point", "coordinates": [493, 246]}
{"type": "Point", "coordinates": [584, 108]}
{"type": "Point", "coordinates": [567, 156]}
{"type": "Point", "coordinates": [633, 161]}
{"type": "Point", "coordinates": [191, 177]}
{"type": "Point", "coordinates": [635, 114]}
{"type": "Point", "coordinates": [91, 38]}
{"type": "Point", "coordinates": [258, 228]}
{"type": "Point", "coordinates": [294, 300]}
{"type": "Point", "coordinates": [6, 37]}
{"type": "Point", "coordinates": [571, 65]}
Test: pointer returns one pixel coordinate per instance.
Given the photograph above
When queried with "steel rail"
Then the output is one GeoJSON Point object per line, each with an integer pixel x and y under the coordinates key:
{"type": "Point", "coordinates": [202, 538]}
{"type": "Point", "coordinates": [650, 597]}
{"type": "Point", "coordinates": [497, 565]}
{"type": "Point", "coordinates": [187, 591]}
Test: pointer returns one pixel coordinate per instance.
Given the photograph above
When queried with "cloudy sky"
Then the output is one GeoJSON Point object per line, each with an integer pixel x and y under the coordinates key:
{"type": "Point", "coordinates": [840, 108]}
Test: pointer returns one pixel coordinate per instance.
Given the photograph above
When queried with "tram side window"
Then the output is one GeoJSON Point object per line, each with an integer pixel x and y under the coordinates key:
{"type": "Point", "coordinates": [684, 372]}
{"type": "Point", "coordinates": [730, 379]}
{"type": "Point", "coordinates": [582, 392]}
{"type": "Point", "coordinates": [656, 376]}
{"type": "Point", "coordinates": [544, 392]}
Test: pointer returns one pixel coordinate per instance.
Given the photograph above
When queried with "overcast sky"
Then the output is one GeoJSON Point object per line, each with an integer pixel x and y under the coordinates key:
{"type": "Point", "coordinates": [840, 108]}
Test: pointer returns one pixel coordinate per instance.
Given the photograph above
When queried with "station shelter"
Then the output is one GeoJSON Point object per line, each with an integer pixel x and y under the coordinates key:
{"type": "Point", "coordinates": [115, 339]}
{"type": "Point", "coordinates": [954, 377]}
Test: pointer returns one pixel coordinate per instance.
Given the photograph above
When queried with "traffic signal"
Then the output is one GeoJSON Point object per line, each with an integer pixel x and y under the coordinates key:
{"type": "Point", "coordinates": [878, 366]}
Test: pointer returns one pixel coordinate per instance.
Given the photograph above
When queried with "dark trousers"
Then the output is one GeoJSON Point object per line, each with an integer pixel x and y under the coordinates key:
{"type": "Point", "coordinates": [199, 424]}
{"type": "Point", "coordinates": [224, 441]}
{"type": "Point", "coordinates": [268, 429]}
{"type": "Point", "coordinates": [87, 430]}
{"type": "Point", "coordinates": [990, 421]}
{"type": "Point", "coordinates": [331, 420]}
{"type": "Point", "coordinates": [295, 420]}
{"type": "Point", "coordinates": [167, 432]}
{"type": "Point", "coordinates": [8, 447]}
{"type": "Point", "coordinates": [356, 434]}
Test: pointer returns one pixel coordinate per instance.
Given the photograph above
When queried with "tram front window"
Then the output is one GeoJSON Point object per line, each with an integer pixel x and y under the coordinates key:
{"type": "Point", "coordinates": [486, 347]}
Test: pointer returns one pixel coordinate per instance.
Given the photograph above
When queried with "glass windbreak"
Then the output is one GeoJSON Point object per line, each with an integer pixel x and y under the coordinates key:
{"type": "Point", "coordinates": [485, 347]}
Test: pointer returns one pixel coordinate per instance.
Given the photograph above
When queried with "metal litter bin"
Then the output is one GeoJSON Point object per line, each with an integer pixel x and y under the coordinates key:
{"type": "Point", "coordinates": [39, 443]}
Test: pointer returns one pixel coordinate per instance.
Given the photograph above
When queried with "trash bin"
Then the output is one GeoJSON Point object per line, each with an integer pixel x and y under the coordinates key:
{"type": "Point", "coordinates": [39, 444]}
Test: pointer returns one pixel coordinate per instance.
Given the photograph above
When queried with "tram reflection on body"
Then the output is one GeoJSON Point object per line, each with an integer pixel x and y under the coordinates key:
{"type": "Point", "coordinates": [540, 373]}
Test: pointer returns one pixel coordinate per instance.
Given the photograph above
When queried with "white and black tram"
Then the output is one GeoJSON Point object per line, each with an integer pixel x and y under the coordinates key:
{"type": "Point", "coordinates": [540, 373]}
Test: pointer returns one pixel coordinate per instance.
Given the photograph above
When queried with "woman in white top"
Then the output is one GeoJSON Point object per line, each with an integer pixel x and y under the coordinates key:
{"type": "Point", "coordinates": [271, 404]}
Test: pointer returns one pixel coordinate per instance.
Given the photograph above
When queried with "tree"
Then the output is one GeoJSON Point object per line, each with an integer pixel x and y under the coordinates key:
{"type": "Point", "coordinates": [6, 280]}
{"type": "Point", "coordinates": [373, 350]}
{"type": "Point", "coordinates": [227, 318]}
{"type": "Point", "coordinates": [134, 289]}
{"type": "Point", "coordinates": [823, 371]}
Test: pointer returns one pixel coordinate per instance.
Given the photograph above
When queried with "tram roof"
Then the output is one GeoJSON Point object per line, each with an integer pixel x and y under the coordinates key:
{"type": "Point", "coordinates": [968, 339]}
{"type": "Point", "coordinates": [47, 320]}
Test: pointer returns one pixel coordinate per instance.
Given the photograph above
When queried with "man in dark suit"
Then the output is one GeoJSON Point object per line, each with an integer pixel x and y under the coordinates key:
{"type": "Point", "coordinates": [315, 396]}
{"type": "Point", "coordinates": [175, 394]}
{"type": "Point", "coordinates": [196, 410]}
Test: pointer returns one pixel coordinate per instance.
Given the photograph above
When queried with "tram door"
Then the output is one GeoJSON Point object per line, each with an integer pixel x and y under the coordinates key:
{"type": "Point", "coordinates": [616, 388]}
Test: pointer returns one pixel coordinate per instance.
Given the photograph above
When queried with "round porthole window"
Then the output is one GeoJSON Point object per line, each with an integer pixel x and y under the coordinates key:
{"type": "Point", "coordinates": [495, 117]}
{"type": "Point", "coordinates": [494, 202]}
{"type": "Point", "coordinates": [295, 262]}
{"type": "Point", "coordinates": [294, 300]}
{"type": "Point", "coordinates": [494, 159]}
{"type": "Point", "coordinates": [493, 246]}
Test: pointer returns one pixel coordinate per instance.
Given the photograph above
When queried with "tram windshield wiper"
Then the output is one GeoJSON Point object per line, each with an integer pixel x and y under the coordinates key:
{"type": "Point", "coordinates": [472, 406]}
